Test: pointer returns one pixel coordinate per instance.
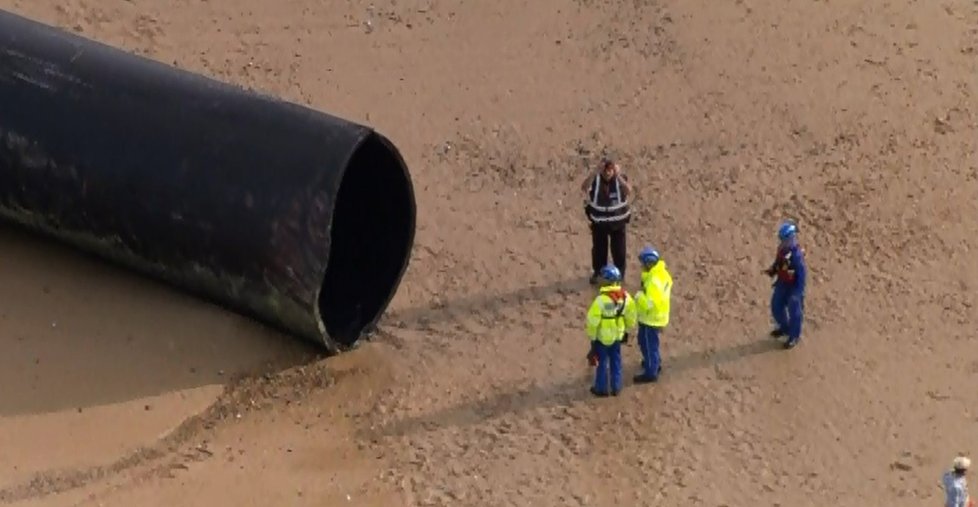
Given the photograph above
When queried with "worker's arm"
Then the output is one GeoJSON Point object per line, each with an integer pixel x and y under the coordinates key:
{"type": "Point", "coordinates": [631, 313]}
{"type": "Point", "coordinates": [658, 289]}
{"type": "Point", "coordinates": [594, 318]}
{"type": "Point", "coordinates": [772, 269]}
{"type": "Point", "coordinates": [801, 271]}
{"type": "Point", "coordinates": [642, 304]}
{"type": "Point", "coordinates": [655, 297]}
{"type": "Point", "coordinates": [626, 186]}
{"type": "Point", "coordinates": [586, 184]}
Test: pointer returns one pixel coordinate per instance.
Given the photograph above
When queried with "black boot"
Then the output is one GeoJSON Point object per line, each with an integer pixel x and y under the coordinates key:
{"type": "Point", "coordinates": [777, 333]}
{"type": "Point", "coordinates": [642, 378]}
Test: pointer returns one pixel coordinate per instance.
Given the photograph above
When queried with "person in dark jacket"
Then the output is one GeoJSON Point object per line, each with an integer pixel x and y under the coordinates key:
{"type": "Point", "coordinates": [606, 197]}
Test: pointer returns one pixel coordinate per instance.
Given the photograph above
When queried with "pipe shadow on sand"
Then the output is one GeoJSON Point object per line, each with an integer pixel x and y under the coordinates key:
{"type": "Point", "coordinates": [564, 393]}
{"type": "Point", "coordinates": [77, 332]}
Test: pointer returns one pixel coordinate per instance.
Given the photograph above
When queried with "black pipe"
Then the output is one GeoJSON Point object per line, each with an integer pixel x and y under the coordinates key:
{"type": "Point", "coordinates": [297, 218]}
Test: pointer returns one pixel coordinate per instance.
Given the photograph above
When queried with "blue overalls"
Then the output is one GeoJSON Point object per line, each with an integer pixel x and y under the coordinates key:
{"type": "Point", "coordinates": [788, 298]}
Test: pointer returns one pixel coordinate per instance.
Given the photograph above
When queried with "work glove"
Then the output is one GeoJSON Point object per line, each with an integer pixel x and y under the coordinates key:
{"type": "Point", "coordinates": [592, 355]}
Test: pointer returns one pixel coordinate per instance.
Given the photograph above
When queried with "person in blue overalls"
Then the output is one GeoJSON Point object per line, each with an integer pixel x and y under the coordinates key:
{"type": "Point", "coordinates": [788, 298]}
{"type": "Point", "coordinates": [610, 316]}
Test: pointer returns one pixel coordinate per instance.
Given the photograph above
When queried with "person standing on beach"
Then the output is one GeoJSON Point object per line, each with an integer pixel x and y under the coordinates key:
{"type": "Point", "coordinates": [610, 316]}
{"type": "Point", "coordinates": [956, 484]}
{"type": "Point", "coordinates": [788, 297]}
{"type": "Point", "coordinates": [606, 196]}
{"type": "Point", "coordinates": [652, 301]}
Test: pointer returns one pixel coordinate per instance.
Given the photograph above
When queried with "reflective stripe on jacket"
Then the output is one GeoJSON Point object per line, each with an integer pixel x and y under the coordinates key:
{"type": "Point", "coordinates": [607, 208]}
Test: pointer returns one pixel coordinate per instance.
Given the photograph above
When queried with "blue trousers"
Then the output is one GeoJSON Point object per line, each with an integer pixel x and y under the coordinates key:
{"type": "Point", "coordinates": [648, 341]}
{"type": "Point", "coordinates": [788, 310]}
{"type": "Point", "coordinates": [609, 365]}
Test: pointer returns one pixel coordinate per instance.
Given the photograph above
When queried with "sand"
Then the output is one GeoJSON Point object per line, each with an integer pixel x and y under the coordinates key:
{"type": "Point", "coordinates": [857, 118]}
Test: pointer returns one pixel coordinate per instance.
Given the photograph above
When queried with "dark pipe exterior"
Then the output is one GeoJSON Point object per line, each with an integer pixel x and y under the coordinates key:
{"type": "Point", "coordinates": [223, 192]}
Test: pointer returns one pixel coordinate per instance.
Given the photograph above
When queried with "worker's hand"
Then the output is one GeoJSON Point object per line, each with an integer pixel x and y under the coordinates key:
{"type": "Point", "coordinates": [624, 338]}
{"type": "Point", "coordinates": [592, 355]}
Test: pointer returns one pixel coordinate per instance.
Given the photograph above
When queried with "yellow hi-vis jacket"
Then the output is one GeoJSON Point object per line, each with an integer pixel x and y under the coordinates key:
{"type": "Point", "coordinates": [610, 315]}
{"type": "Point", "coordinates": [653, 299]}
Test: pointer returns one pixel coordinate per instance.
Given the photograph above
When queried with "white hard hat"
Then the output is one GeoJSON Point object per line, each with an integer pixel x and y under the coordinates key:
{"type": "Point", "coordinates": [962, 463]}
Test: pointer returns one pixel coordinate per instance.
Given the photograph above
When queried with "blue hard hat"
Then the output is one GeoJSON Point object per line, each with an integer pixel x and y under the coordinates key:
{"type": "Point", "coordinates": [648, 255]}
{"type": "Point", "coordinates": [787, 230]}
{"type": "Point", "coordinates": [611, 273]}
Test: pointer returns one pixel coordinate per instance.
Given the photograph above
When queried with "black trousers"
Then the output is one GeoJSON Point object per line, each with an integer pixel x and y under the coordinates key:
{"type": "Point", "coordinates": [603, 236]}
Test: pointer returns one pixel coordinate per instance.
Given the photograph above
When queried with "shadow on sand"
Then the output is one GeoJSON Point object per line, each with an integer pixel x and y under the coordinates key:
{"type": "Point", "coordinates": [563, 393]}
{"type": "Point", "coordinates": [481, 304]}
{"type": "Point", "coordinates": [77, 332]}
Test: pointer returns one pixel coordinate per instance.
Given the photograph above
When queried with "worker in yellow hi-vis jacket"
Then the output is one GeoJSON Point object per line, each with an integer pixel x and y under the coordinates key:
{"type": "Point", "coordinates": [653, 312]}
{"type": "Point", "coordinates": [609, 318]}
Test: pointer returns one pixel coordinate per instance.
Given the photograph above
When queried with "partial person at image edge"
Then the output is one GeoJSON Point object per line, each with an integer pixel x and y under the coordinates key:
{"type": "Point", "coordinates": [955, 484]}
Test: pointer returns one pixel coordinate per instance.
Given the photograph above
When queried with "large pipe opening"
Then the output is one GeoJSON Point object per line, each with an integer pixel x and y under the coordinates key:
{"type": "Point", "coordinates": [371, 238]}
{"type": "Point", "coordinates": [290, 215]}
